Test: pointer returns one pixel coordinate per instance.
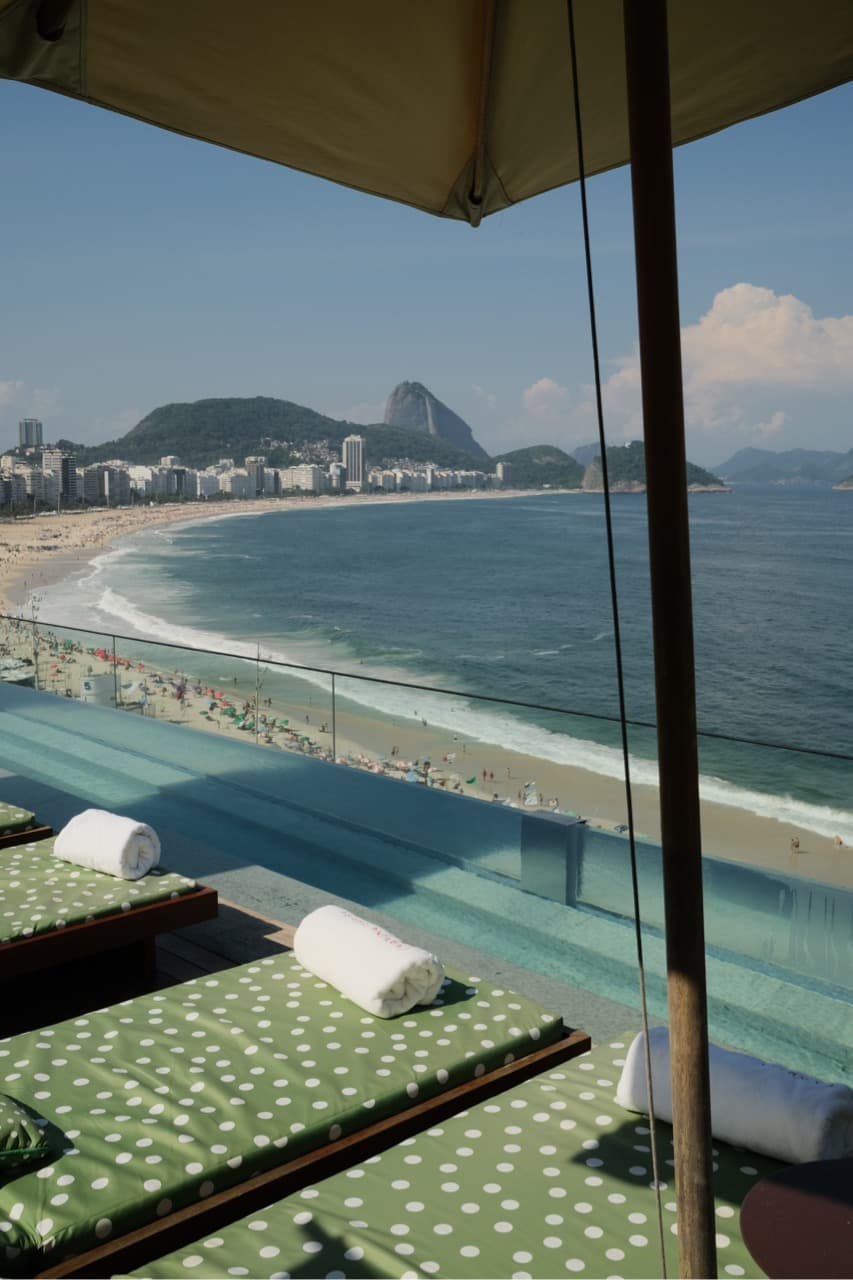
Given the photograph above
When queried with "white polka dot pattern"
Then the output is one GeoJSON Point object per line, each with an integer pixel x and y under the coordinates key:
{"type": "Point", "coordinates": [13, 818]}
{"type": "Point", "coordinates": [40, 893]}
{"type": "Point", "coordinates": [172, 1096]}
{"type": "Point", "coordinates": [466, 1211]}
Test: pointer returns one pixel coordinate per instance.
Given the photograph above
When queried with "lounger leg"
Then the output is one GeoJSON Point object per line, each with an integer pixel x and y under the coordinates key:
{"type": "Point", "coordinates": [149, 959]}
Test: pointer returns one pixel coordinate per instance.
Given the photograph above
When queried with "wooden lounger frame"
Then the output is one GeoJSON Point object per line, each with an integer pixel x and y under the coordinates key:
{"type": "Point", "coordinates": [12, 838]}
{"type": "Point", "coordinates": [134, 1249]}
{"type": "Point", "coordinates": [140, 925]}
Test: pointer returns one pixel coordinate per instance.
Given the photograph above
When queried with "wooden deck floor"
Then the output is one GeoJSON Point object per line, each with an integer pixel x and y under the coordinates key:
{"type": "Point", "coordinates": [236, 936]}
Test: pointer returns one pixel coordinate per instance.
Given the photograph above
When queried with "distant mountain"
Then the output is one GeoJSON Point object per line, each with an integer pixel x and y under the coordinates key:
{"type": "Point", "coordinates": [203, 431]}
{"type": "Point", "coordinates": [543, 466]}
{"type": "Point", "coordinates": [626, 469]}
{"type": "Point", "coordinates": [586, 453]}
{"type": "Point", "coordinates": [787, 467]}
{"type": "Point", "coordinates": [411, 406]}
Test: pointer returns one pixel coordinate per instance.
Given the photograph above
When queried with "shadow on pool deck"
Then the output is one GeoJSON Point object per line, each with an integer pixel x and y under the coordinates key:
{"type": "Point", "coordinates": [279, 834]}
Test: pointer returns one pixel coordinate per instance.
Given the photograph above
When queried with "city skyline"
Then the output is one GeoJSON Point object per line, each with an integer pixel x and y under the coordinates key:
{"type": "Point", "coordinates": [197, 272]}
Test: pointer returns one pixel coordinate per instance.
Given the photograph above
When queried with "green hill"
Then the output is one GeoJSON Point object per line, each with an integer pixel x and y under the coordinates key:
{"type": "Point", "coordinates": [385, 445]}
{"type": "Point", "coordinates": [626, 467]}
{"type": "Point", "coordinates": [542, 466]}
{"type": "Point", "coordinates": [205, 430]}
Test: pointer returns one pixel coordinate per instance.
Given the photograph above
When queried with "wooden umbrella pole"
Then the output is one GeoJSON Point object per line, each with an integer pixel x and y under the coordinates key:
{"type": "Point", "coordinates": [669, 554]}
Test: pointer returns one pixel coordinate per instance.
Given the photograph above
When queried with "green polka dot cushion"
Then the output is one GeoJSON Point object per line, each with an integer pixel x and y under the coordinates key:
{"type": "Point", "coordinates": [170, 1097]}
{"type": "Point", "coordinates": [548, 1179]}
{"type": "Point", "coordinates": [13, 818]}
{"type": "Point", "coordinates": [39, 892]}
{"type": "Point", "coordinates": [25, 1137]}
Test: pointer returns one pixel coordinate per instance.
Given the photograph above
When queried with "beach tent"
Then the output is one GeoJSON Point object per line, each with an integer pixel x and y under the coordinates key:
{"type": "Point", "coordinates": [462, 108]}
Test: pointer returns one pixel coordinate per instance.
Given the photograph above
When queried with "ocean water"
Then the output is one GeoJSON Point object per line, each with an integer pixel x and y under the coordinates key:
{"type": "Point", "coordinates": [510, 598]}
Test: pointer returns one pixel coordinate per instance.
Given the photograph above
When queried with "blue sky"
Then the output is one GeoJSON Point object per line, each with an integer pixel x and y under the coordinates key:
{"type": "Point", "coordinates": [140, 268]}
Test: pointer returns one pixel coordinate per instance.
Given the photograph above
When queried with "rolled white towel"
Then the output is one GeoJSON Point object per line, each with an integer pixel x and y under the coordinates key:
{"type": "Point", "coordinates": [754, 1104]}
{"type": "Point", "coordinates": [376, 970]}
{"type": "Point", "coordinates": [107, 842]}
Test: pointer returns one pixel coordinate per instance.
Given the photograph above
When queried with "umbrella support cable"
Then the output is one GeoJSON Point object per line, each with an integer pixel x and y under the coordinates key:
{"type": "Point", "coordinates": [617, 635]}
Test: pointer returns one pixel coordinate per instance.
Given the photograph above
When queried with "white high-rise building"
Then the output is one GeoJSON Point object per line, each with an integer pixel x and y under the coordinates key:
{"type": "Point", "coordinates": [352, 456]}
{"type": "Point", "coordinates": [337, 475]}
{"type": "Point", "coordinates": [64, 466]}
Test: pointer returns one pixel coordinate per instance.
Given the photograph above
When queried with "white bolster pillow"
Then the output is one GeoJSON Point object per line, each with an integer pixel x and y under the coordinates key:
{"type": "Point", "coordinates": [107, 842]}
{"type": "Point", "coordinates": [376, 970]}
{"type": "Point", "coordinates": [754, 1104]}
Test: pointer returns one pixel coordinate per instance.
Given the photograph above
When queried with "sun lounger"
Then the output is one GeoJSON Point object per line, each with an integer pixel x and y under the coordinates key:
{"type": "Point", "coordinates": [52, 911]}
{"type": "Point", "coordinates": [551, 1178]}
{"type": "Point", "coordinates": [19, 826]}
{"type": "Point", "coordinates": [228, 1091]}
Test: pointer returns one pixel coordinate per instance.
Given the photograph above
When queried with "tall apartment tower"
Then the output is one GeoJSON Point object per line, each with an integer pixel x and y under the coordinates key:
{"type": "Point", "coordinates": [256, 468]}
{"type": "Point", "coordinates": [64, 467]}
{"type": "Point", "coordinates": [30, 434]}
{"type": "Point", "coordinates": [352, 456]}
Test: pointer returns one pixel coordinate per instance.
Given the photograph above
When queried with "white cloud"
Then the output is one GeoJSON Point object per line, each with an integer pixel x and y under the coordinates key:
{"type": "Point", "coordinates": [546, 400]}
{"type": "Point", "coordinates": [772, 427]}
{"type": "Point", "coordinates": [753, 336]}
{"type": "Point", "coordinates": [488, 398]}
{"type": "Point", "coordinates": [21, 400]}
{"type": "Point", "coordinates": [10, 391]}
{"type": "Point", "coordinates": [743, 360]}
{"type": "Point", "coordinates": [550, 412]}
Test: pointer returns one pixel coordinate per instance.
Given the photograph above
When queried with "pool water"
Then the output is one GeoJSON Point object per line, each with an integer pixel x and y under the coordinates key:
{"type": "Point", "coordinates": [252, 822]}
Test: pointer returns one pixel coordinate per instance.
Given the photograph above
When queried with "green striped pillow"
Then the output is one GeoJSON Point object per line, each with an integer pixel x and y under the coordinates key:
{"type": "Point", "coordinates": [24, 1136]}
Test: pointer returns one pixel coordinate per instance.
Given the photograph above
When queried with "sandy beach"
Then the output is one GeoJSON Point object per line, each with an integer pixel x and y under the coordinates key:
{"type": "Point", "coordinates": [305, 721]}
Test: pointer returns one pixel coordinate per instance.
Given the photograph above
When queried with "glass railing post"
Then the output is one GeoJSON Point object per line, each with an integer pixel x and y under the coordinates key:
{"type": "Point", "coordinates": [257, 694]}
{"type": "Point", "coordinates": [115, 673]}
{"type": "Point", "coordinates": [334, 725]}
{"type": "Point", "coordinates": [35, 652]}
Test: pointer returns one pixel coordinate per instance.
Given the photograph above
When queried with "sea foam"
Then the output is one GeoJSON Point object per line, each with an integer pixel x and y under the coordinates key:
{"type": "Point", "coordinates": [455, 713]}
{"type": "Point", "coordinates": [88, 600]}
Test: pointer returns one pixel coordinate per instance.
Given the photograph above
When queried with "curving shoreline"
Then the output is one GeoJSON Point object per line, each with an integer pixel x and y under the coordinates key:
{"type": "Point", "coordinates": [38, 551]}
{"type": "Point", "coordinates": [729, 832]}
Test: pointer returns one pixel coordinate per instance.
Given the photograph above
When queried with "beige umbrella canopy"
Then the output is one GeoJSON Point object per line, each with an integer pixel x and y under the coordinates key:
{"type": "Point", "coordinates": [458, 107]}
{"type": "Point", "coordinates": [462, 108]}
